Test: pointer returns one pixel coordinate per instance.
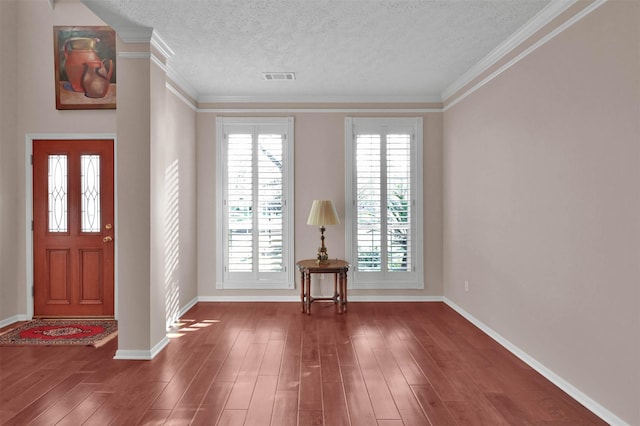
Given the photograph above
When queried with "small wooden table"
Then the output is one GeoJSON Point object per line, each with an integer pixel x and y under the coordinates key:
{"type": "Point", "coordinates": [338, 268]}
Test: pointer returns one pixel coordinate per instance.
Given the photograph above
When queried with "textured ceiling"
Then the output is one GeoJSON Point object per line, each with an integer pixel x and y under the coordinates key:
{"type": "Point", "coordinates": [342, 49]}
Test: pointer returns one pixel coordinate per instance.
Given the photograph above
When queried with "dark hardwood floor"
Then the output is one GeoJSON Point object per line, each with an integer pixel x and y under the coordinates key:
{"type": "Point", "coordinates": [385, 364]}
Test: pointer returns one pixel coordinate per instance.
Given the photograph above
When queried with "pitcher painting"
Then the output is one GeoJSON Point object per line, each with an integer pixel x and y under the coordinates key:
{"type": "Point", "coordinates": [85, 60]}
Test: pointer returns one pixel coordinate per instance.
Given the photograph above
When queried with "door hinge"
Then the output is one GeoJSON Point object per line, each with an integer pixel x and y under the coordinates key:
{"type": "Point", "coordinates": [32, 159]}
{"type": "Point", "coordinates": [33, 291]}
{"type": "Point", "coordinates": [32, 225]}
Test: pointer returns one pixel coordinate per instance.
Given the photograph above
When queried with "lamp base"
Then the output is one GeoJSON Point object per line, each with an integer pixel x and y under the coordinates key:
{"type": "Point", "coordinates": [322, 257]}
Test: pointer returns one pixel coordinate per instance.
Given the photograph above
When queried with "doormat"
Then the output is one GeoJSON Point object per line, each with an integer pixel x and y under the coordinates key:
{"type": "Point", "coordinates": [47, 332]}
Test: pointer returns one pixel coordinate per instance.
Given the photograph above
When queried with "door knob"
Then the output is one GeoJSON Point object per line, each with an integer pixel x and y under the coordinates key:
{"type": "Point", "coordinates": [108, 226]}
{"type": "Point", "coordinates": [107, 239]}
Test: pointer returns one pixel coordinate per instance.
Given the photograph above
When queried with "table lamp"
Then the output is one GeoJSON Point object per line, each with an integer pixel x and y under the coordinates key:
{"type": "Point", "coordinates": [322, 213]}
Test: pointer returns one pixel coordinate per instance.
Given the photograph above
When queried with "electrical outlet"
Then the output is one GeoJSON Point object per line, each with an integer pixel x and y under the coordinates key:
{"type": "Point", "coordinates": [466, 285]}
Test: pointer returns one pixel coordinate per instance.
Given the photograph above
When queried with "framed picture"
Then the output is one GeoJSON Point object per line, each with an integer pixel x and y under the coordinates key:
{"type": "Point", "coordinates": [85, 62]}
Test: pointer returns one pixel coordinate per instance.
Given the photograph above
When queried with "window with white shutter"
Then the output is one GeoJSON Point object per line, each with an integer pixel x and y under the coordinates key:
{"type": "Point", "coordinates": [384, 202]}
{"type": "Point", "coordinates": [255, 203]}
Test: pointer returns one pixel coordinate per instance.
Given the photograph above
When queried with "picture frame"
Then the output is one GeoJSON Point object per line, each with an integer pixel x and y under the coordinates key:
{"type": "Point", "coordinates": [85, 67]}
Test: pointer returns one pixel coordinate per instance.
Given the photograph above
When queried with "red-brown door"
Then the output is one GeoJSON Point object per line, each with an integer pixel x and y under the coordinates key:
{"type": "Point", "coordinates": [73, 228]}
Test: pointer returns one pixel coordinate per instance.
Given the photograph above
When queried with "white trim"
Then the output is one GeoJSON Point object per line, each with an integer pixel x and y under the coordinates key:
{"type": "Point", "coordinates": [321, 99]}
{"type": "Point", "coordinates": [584, 12]}
{"type": "Point", "coordinates": [554, 378]}
{"type": "Point", "coordinates": [220, 218]}
{"type": "Point", "coordinates": [546, 15]}
{"type": "Point", "coordinates": [393, 298]}
{"type": "Point", "coordinates": [170, 87]}
{"type": "Point", "coordinates": [160, 45]}
{"type": "Point", "coordinates": [385, 110]}
{"type": "Point", "coordinates": [188, 306]}
{"type": "Point", "coordinates": [179, 81]}
{"type": "Point", "coordinates": [14, 319]}
{"type": "Point", "coordinates": [159, 62]}
{"type": "Point", "coordinates": [351, 298]}
{"type": "Point", "coordinates": [252, 298]}
{"type": "Point", "coordinates": [142, 355]}
{"type": "Point", "coordinates": [29, 138]}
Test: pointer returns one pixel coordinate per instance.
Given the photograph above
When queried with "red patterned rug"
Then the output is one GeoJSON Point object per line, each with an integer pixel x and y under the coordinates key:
{"type": "Point", "coordinates": [61, 332]}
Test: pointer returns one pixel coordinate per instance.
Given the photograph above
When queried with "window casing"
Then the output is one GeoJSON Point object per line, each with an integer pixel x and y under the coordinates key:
{"type": "Point", "coordinates": [384, 202]}
{"type": "Point", "coordinates": [254, 203]}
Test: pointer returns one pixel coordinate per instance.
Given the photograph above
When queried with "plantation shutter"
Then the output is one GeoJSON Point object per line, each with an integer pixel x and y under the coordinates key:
{"type": "Point", "coordinates": [383, 184]}
{"type": "Point", "coordinates": [254, 201]}
{"type": "Point", "coordinates": [385, 189]}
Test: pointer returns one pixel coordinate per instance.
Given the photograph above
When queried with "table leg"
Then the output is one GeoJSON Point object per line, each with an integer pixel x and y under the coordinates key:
{"type": "Point", "coordinates": [344, 292]}
{"type": "Point", "coordinates": [302, 301]}
{"type": "Point", "coordinates": [336, 298]}
{"type": "Point", "coordinates": [308, 290]}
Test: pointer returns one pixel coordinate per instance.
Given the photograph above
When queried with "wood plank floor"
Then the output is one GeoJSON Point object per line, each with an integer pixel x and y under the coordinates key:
{"type": "Point", "coordinates": [385, 364]}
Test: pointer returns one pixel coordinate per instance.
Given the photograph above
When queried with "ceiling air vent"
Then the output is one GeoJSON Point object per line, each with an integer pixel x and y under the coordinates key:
{"type": "Point", "coordinates": [278, 76]}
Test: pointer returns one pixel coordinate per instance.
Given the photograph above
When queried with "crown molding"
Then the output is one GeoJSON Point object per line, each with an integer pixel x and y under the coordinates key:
{"type": "Point", "coordinates": [578, 16]}
{"type": "Point", "coordinates": [175, 89]}
{"type": "Point", "coordinates": [546, 15]}
{"type": "Point", "coordinates": [320, 99]}
{"type": "Point", "coordinates": [180, 82]}
{"type": "Point", "coordinates": [386, 109]}
{"type": "Point", "coordinates": [160, 45]}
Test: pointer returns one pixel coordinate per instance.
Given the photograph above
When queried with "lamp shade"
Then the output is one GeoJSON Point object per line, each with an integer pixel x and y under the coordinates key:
{"type": "Point", "coordinates": [323, 212]}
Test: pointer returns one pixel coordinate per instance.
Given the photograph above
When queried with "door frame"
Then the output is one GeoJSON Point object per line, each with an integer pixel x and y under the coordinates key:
{"type": "Point", "coordinates": [29, 138]}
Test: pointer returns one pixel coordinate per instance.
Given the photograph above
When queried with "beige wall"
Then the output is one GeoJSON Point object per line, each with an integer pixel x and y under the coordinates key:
{"type": "Point", "coordinates": [320, 173]}
{"type": "Point", "coordinates": [27, 107]}
{"type": "Point", "coordinates": [180, 216]}
{"type": "Point", "coordinates": [542, 207]}
{"type": "Point", "coordinates": [30, 108]}
{"type": "Point", "coordinates": [537, 192]}
{"type": "Point", "coordinates": [8, 154]}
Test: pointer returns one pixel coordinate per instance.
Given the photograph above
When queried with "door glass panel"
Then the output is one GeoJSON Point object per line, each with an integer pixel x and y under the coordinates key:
{"type": "Point", "coordinates": [57, 193]}
{"type": "Point", "coordinates": [90, 192]}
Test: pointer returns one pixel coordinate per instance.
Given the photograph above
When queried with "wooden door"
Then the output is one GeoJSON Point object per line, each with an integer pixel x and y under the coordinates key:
{"type": "Point", "coordinates": [73, 231]}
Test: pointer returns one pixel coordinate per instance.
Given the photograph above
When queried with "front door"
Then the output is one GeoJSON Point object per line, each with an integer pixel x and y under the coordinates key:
{"type": "Point", "coordinates": [73, 228]}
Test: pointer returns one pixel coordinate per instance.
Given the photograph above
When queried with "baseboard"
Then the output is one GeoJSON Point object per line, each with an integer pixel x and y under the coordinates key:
{"type": "Point", "coordinates": [188, 306]}
{"type": "Point", "coordinates": [567, 387]}
{"type": "Point", "coordinates": [142, 355]}
{"type": "Point", "coordinates": [393, 298]}
{"type": "Point", "coordinates": [252, 298]}
{"type": "Point", "coordinates": [354, 298]}
{"type": "Point", "coordinates": [11, 320]}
